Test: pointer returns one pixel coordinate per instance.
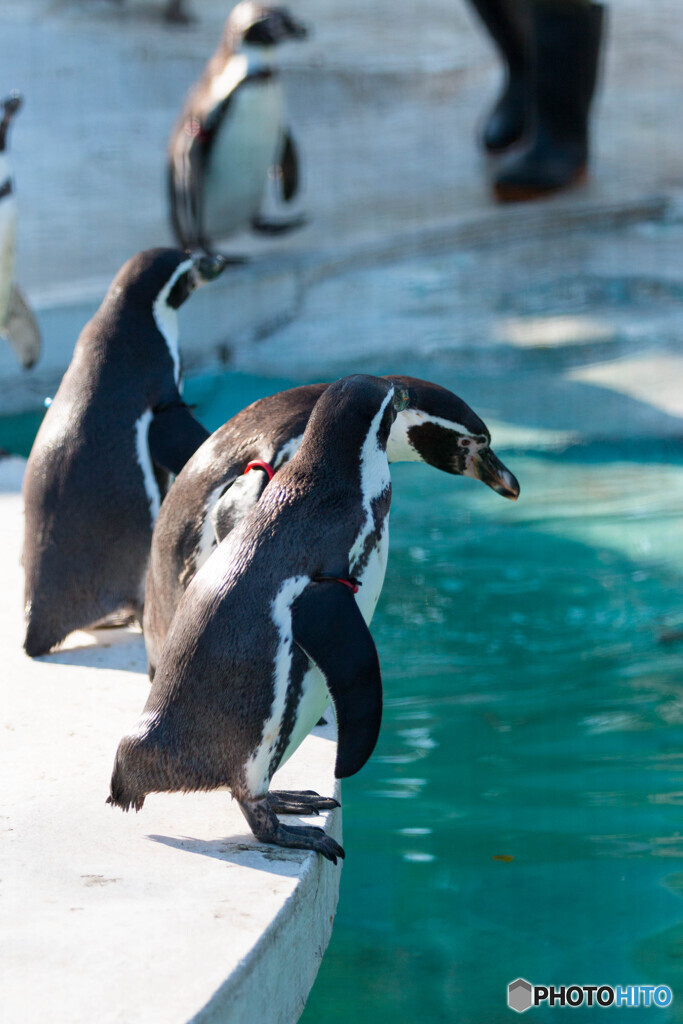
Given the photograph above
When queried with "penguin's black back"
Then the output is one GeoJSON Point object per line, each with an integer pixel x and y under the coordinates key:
{"type": "Point", "coordinates": [257, 432]}
{"type": "Point", "coordinates": [214, 685]}
{"type": "Point", "coordinates": [88, 519]}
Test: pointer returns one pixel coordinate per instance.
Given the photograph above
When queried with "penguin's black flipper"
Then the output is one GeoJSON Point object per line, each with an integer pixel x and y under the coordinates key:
{"type": "Point", "coordinates": [289, 167]}
{"type": "Point", "coordinates": [328, 626]}
{"type": "Point", "coordinates": [174, 436]}
{"type": "Point", "coordinates": [186, 184]}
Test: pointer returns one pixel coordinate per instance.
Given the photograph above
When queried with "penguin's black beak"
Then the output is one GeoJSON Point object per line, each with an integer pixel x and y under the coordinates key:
{"type": "Point", "coordinates": [487, 467]}
{"type": "Point", "coordinates": [208, 268]}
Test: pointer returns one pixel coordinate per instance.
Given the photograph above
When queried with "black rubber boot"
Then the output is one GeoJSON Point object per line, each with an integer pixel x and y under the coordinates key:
{"type": "Point", "coordinates": [566, 54]}
{"type": "Point", "coordinates": [508, 25]}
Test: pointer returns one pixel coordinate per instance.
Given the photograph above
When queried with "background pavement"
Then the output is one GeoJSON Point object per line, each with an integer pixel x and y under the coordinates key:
{"type": "Point", "coordinates": [384, 98]}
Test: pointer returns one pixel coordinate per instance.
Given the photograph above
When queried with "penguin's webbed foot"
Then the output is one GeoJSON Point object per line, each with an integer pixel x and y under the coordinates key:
{"type": "Point", "coordinates": [266, 827]}
{"type": "Point", "coordinates": [305, 801]}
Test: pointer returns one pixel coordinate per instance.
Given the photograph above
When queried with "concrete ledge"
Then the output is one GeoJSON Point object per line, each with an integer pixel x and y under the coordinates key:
{"type": "Point", "coordinates": [170, 915]}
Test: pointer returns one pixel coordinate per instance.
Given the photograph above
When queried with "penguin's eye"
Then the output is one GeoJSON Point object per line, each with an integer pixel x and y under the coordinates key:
{"type": "Point", "coordinates": [465, 442]}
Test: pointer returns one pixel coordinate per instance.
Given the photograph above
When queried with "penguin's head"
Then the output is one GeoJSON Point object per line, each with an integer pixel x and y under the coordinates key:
{"type": "Point", "coordinates": [253, 24]}
{"type": "Point", "coordinates": [351, 416]}
{"type": "Point", "coordinates": [439, 428]}
{"type": "Point", "coordinates": [9, 108]}
{"type": "Point", "coordinates": [163, 278]}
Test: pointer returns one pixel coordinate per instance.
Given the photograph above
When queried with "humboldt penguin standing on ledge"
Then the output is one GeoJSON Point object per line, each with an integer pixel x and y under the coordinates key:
{"type": "Point", "coordinates": [100, 464]}
{"type": "Point", "coordinates": [230, 134]}
{"type": "Point", "coordinates": [17, 323]}
{"type": "Point", "coordinates": [274, 624]}
{"type": "Point", "coordinates": [225, 478]}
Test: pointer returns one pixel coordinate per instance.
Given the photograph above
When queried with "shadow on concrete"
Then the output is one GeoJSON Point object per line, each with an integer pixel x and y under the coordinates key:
{"type": "Point", "coordinates": [122, 649]}
{"type": "Point", "coordinates": [241, 850]}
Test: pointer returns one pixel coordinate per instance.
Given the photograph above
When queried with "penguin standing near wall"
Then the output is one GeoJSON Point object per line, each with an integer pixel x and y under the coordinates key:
{"type": "Point", "coordinates": [213, 493]}
{"type": "Point", "coordinates": [17, 322]}
{"type": "Point", "coordinates": [99, 466]}
{"type": "Point", "coordinates": [274, 624]}
{"type": "Point", "coordinates": [230, 134]}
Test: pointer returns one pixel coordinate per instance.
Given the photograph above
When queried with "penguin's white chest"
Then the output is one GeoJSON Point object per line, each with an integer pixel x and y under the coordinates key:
{"type": "Point", "coordinates": [314, 697]}
{"type": "Point", "coordinates": [245, 147]}
{"type": "Point", "coordinates": [371, 577]}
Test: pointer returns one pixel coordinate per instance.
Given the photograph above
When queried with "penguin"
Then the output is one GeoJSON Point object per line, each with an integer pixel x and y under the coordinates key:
{"type": "Point", "coordinates": [17, 322]}
{"type": "Point", "coordinates": [213, 492]}
{"type": "Point", "coordinates": [100, 464]}
{"type": "Point", "coordinates": [275, 624]}
{"type": "Point", "coordinates": [230, 134]}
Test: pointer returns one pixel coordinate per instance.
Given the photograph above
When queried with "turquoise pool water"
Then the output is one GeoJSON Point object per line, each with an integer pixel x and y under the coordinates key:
{"type": "Point", "coordinates": [522, 815]}
{"type": "Point", "coordinates": [533, 713]}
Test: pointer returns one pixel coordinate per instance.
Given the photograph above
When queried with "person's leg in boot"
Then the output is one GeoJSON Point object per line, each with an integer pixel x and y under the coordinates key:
{"type": "Point", "coordinates": [566, 46]}
{"type": "Point", "coordinates": [508, 25]}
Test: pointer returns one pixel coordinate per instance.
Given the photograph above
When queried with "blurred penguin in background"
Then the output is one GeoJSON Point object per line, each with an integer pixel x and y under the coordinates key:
{"type": "Point", "coordinates": [540, 123]}
{"type": "Point", "coordinates": [231, 134]}
{"type": "Point", "coordinates": [17, 322]}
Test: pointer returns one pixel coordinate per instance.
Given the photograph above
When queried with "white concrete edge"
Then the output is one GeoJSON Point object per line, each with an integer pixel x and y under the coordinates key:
{"type": "Point", "coordinates": [273, 982]}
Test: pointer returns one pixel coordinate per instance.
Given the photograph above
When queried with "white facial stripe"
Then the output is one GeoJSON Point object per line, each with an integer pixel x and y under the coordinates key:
{"type": "Point", "coordinates": [145, 461]}
{"type": "Point", "coordinates": [257, 770]}
{"type": "Point", "coordinates": [400, 447]}
{"type": "Point", "coordinates": [287, 452]}
{"type": "Point", "coordinates": [374, 478]}
{"type": "Point", "coordinates": [166, 318]}
{"type": "Point", "coordinates": [233, 72]}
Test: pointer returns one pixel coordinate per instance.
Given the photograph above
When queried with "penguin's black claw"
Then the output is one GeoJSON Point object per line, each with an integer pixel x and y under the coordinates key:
{"type": "Point", "coordinates": [266, 827]}
{"type": "Point", "coordinates": [310, 839]}
{"type": "Point", "coordinates": [306, 801]}
{"type": "Point", "coordinates": [321, 721]}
